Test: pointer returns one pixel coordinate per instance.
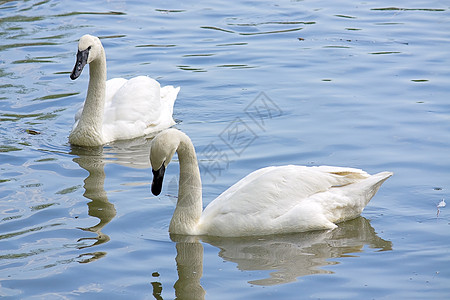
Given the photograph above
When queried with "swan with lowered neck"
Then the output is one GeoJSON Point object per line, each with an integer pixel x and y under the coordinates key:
{"type": "Point", "coordinates": [117, 109]}
{"type": "Point", "coordinates": [272, 200]}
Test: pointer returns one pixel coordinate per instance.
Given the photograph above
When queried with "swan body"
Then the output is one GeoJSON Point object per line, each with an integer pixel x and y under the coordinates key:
{"type": "Point", "coordinates": [272, 200]}
{"type": "Point", "coordinates": [117, 109]}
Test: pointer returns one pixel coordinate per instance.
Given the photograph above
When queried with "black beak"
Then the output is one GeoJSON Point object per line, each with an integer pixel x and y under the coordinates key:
{"type": "Point", "coordinates": [158, 177]}
{"type": "Point", "coordinates": [82, 57]}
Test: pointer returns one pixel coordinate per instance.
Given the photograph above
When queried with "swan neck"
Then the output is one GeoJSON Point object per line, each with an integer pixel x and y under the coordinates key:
{"type": "Point", "coordinates": [189, 204]}
{"type": "Point", "coordinates": [95, 99]}
{"type": "Point", "coordinates": [91, 119]}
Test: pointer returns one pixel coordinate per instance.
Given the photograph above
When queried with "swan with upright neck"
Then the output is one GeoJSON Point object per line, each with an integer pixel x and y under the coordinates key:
{"type": "Point", "coordinates": [271, 200]}
{"type": "Point", "coordinates": [117, 109]}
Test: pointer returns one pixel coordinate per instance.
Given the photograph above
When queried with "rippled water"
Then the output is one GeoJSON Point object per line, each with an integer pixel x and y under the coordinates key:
{"type": "Point", "coordinates": [360, 84]}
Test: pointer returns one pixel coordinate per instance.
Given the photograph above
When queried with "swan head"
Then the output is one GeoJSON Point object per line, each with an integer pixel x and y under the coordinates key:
{"type": "Point", "coordinates": [89, 49]}
{"type": "Point", "coordinates": [163, 148]}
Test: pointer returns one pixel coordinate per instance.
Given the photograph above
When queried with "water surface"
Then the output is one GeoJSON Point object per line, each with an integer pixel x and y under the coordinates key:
{"type": "Point", "coordinates": [358, 84]}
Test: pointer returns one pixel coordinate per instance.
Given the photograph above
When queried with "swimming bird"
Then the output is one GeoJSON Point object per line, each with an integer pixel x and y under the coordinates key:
{"type": "Point", "coordinates": [117, 109]}
{"type": "Point", "coordinates": [271, 200]}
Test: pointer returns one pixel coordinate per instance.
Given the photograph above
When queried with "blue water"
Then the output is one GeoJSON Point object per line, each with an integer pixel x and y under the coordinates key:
{"type": "Point", "coordinates": [357, 84]}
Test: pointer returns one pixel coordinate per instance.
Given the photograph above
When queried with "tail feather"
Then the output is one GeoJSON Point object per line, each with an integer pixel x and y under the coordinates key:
{"type": "Point", "coordinates": [369, 187]}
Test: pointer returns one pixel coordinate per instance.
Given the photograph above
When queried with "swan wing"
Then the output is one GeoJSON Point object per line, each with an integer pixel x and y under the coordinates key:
{"type": "Point", "coordinates": [168, 97]}
{"type": "Point", "coordinates": [112, 86]}
{"type": "Point", "coordinates": [348, 201]}
{"type": "Point", "coordinates": [337, 204]}
{"type": "Point", "coordinates": [132, 106]}
{"type": "Point", "coordinates": [280, 199]}
{"type": "Point", "coordinates": [165, 120]}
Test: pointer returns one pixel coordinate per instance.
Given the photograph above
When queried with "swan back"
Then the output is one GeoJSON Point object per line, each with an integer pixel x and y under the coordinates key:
{"type": "Point", "coordinates": [291, 198]}
{"type": "Point", "coordinates": [137, 106]}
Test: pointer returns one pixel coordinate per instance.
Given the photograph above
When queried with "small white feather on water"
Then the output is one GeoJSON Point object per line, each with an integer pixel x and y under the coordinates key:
{"type": "Point", "coordinates": [440, 205]}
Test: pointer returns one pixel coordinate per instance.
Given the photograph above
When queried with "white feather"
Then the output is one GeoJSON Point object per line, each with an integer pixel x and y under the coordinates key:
{"type": "Point", "coordinates": [119, 109]}
{"type": "Point", "coordinates": [271, 200]}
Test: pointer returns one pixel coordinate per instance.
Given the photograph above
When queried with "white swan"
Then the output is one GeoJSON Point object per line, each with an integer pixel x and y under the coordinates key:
{"type": "Point", "coordinates": [271, 200]}
{"type": "Point", "coordinates": [117, 109]}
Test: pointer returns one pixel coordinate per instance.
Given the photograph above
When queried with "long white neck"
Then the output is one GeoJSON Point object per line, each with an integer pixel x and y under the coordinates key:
{"type": "Point", "coordinates": [189, 204]}
{"type": "Point", "coordinates": [89, 129]}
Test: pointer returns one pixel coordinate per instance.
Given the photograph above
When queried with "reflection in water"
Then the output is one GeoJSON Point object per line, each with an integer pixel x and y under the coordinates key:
{"type": "Point", "coordinates": [91, 256]}
{"type": "Point", "coordinates": [91, 159]}
{"type": "Point", "coordinates": [131, 153]}
{"type": "Point", "coordinates": [296, 255]}
{"type": "Point", "coordinates": [289, 256]}
{"type": "Point", "coordinates": [157, 290]}
{"type": "Point", "coordinates": [189, 261]}
{"type": "Point", "coordinates": [189, 266]}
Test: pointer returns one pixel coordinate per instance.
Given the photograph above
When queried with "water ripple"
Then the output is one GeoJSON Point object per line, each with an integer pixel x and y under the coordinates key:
{"type": "Point", "coordinates": [408, 9]}
{"type": "Point", "coordinates": [359, 85]}
{"type": "Point", "coordinates": [252, 33]}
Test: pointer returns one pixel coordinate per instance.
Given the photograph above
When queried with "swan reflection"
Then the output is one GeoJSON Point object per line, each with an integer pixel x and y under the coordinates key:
{"type": "Point", "coordinates": [92, 160]}
{"type": "Point", "coordinates": [133, 154]}
{"type": "Point", "coordinates": [129, 153]}
{"type": "Point", "coordinates": [296, 255]}
{"type": "Point", "coordinates": [286, 256]}
{"type": "Point", "coordinates": [189, 261]}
